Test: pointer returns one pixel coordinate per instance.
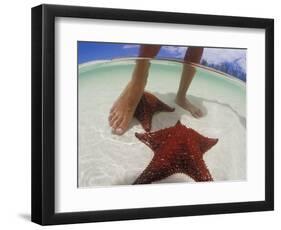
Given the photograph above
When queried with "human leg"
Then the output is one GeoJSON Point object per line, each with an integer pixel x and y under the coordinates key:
{"type": "Point", "coordinates": [193, 55]}
{"type": "Point", "coordinates": [123, 109]}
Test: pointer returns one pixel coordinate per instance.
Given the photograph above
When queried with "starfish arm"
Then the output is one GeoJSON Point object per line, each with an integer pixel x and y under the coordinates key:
{"type": "Point", "coordinates": [140, 110]}
{"type": "Point", "coordinates": [199, 171]}
{"type": "Point", "coordinates": [143, 115]}
{"type": "Point", "coordinates": [146, 122]}
{"type": "Point", "coordinates": [156, 104]}
{"type": "Point", "coordinates": [161, 106]}
{"type": "Point", "coordinates": [147, 106]}
{"type": "Point", "coordinates": [205, 143]}
{"type": "Point", "coordinates": [154, 140]}
{"type": "Point", "coordinates": [154, 171]}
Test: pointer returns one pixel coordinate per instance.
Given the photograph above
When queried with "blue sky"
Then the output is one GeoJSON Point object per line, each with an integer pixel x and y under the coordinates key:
{"type": "Point", "coordinates": [90, 51]}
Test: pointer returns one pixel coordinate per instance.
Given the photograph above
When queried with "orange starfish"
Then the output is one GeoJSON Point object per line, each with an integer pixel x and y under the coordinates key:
{"type": "Point", "coordinates": [148, 105]}
{"type": "Point", "coordinates": [177, 149]}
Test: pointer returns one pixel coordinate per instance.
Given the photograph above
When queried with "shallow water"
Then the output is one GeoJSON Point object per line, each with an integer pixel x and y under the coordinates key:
{"type": "Point", "coordinates": [106, 159]}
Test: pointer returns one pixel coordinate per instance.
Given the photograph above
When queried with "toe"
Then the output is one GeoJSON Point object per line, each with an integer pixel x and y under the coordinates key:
{"type": "Point", "coordinates": [113, 119]}
{"type": "Point", "coordinates": [195, 114]}
{"type": "Point", "coordinates": [119, 131]}
{"type": "Point", "coordinates": [117, 122]}
{"type": "Point", "coordinates": [199, 113]}
{"type": "Point", "coordinates": [110, 117]}
{"type": "Point", "coordinates": [123, 125]}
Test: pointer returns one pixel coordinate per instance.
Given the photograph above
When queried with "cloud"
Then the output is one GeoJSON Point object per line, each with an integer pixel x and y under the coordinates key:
{"type": "Point", "coordinates": [217, 56]}
{"type": "Point", "coordinates": [176, 51]}
{"type": "Point", "coordinates": [211, 55]}
{"type": "Point", "coordinates": [130, 46]}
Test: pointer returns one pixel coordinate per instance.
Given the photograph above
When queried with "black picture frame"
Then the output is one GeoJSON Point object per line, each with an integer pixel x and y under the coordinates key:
{"type": "Point", "coordinates": [43, 114]}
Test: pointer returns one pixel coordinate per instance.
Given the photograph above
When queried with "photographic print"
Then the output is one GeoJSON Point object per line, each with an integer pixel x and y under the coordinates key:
{"type": "Point", "coordinates": [151, 114]}
{"type": "Point", "coordinates": [130, 103]}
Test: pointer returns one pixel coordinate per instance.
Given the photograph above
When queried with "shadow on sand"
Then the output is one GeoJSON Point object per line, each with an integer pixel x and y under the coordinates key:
{"type": "Point", "coordinates": [173, 117]}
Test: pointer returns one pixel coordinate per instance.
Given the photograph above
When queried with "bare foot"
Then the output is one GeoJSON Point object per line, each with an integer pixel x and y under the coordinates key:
{"type": "Point", "coordinates": [186, 104]}
{"type": "Point", "coordinates": [124, 108]}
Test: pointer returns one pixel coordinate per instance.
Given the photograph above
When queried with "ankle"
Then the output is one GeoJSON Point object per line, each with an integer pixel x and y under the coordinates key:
{"type": "Point", "coordinates": [180, 97]}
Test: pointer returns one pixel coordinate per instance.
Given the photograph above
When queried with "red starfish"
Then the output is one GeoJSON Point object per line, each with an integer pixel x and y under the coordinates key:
{"type": "Point", "coordinates": [177, 149]}
{"type": "Point", "coordinates": [148, 105]}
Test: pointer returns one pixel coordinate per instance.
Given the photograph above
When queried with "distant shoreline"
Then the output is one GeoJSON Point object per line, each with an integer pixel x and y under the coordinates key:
{"type": "Point", "coordinates": [162, 59]}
